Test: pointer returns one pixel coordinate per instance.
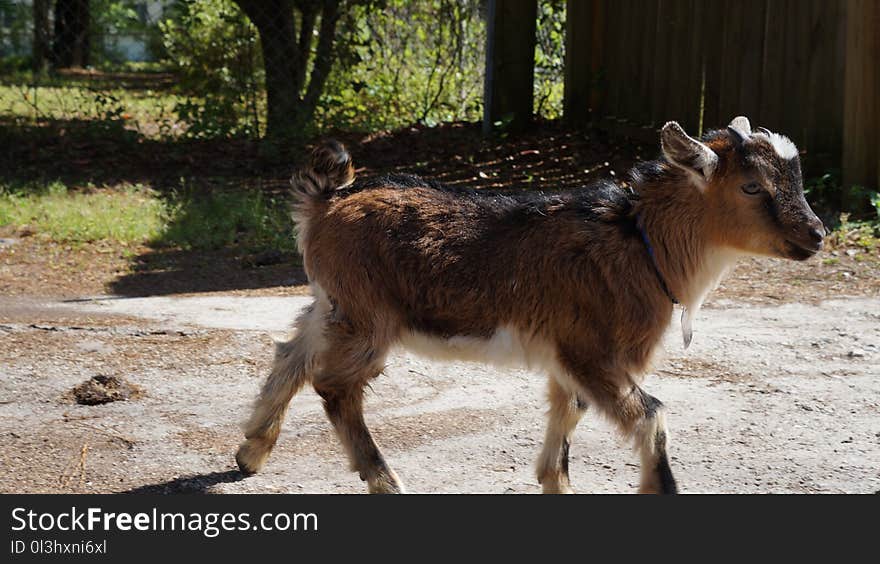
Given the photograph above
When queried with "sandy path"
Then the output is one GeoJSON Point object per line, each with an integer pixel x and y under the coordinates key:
{"type": "Point", "coordinates": [767, 399]}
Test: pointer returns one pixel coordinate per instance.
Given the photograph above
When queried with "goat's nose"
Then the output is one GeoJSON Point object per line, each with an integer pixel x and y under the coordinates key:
{"type": "Point", "coordinates": [817, 234]}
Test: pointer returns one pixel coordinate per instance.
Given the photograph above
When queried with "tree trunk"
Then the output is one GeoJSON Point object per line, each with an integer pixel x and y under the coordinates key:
{"type": "Point", "coordinates": [323, 58]}
{"type": "Point", "coordinates": [508, 95]}
{"type": "Point", "coordinates": [274, 22]}
{"type": "Point", "coordinates": [41, 47]}
{"type": "Point", "coordinates": [71, 46]}
{"type": "Point", "coordinates": [290, 102]}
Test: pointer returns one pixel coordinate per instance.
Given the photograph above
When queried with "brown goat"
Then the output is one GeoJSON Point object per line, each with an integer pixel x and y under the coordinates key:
{"type": "Point", "coordinates": [580, 284]}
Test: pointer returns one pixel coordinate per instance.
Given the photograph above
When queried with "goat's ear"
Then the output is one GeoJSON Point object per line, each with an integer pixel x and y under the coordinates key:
{"type": "Point", "coordinates": [687, 153]}
{"type": "Point", "coordinates": [742, 124]}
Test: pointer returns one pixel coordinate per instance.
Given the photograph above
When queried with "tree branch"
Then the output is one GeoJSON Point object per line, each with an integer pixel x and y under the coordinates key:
{"type": "Point", "coordinates": [309, 10]}
{"type": "Point", "coordinates": [324, 56]}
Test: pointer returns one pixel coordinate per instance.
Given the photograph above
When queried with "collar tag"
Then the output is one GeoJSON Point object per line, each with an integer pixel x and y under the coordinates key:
{"type": "Point", "coordinates": [687, 328]}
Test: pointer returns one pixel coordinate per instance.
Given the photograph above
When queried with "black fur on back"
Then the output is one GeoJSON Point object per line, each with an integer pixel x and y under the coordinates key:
{"type": "Point", "coordinates": [601, 200]}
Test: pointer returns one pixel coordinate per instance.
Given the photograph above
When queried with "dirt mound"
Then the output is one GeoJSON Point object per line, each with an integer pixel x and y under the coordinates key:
{"type": "Point", "coordinates": [102, 389]}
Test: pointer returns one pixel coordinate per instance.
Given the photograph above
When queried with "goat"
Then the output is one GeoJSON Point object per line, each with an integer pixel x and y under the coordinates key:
{"type": "Point", "coordinates": [580, 284]}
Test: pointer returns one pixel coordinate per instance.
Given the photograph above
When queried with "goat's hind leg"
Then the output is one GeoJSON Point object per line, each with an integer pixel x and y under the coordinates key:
{"type": "Point", "coordinates": [354, 359]}
{"type": "Point", "coordinates": [292, 368]}
{"type": "Point", "coordinates": [345, 410]}
{"type": "Point", "coordinates": [566, 409]}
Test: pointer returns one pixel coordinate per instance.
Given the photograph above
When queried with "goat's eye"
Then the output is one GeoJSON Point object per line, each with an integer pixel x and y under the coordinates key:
{"type": "Point", "coordinates": [752, 188]}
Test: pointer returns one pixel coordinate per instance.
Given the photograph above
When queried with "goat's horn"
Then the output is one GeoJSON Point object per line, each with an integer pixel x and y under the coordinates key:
{"type": "Point", "coordinates": [738, 136]}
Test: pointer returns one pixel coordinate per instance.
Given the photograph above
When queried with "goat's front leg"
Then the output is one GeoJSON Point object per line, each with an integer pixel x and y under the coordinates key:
{"type": "Point", "coordinates": [637, 414]}
{"type": "Point", "coordinates": [565, 412]}
{"type": "Point", "coordinates": [640, 416]}
{"type": "Point", "coordinates": [651, 440]}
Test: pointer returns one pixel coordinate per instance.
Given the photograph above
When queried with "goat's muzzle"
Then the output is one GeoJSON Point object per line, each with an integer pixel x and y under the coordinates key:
{"type": "Point", "coordinates": [807, 240]}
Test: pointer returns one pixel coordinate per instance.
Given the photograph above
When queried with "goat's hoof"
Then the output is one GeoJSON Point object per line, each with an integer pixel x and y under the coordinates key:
{"type": "Point", "coordinates": [386, 489]}
{"type": "Point", "coordinates": [251, 456]}
{"type": "Point", "coordinates": [556, 487]}
{"type": "Point", "coordinates": [558, 490]}
{"type": "Point", "coordinates": [554, 482]}
{"type": "Point", "coordinates": [385, 484]}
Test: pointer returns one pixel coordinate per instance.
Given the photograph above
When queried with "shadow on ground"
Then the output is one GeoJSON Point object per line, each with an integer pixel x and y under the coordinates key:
{"type": "Point", "coordinates": [195, 484]}
{"type": "Point", "coordinates": [105, 152]}
{"type": "Point", "coordinates": [167, 271]}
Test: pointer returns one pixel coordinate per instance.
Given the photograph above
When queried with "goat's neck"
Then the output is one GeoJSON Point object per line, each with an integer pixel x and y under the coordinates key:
{"type": "Point", "coordinates": [675, 222]}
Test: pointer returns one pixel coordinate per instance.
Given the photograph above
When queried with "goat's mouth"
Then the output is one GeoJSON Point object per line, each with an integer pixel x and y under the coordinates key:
{"type": "Point", "coordinates": [796, 251]}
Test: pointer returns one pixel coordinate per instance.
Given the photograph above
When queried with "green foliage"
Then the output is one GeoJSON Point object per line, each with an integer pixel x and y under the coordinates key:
{"type": "Point", "coordinates": [823, 192]}
{"type": "Point", "coordinates": [113, 18]}
{"type": "Point", "coordinates": [128, 215]}
{"type": "Point", "coordinates": [396, 62]}
{"type": "Point", "coordinates": [861, 234]}
{"type": "Point", "coordinates": [550, 58]}
{"type": "Point", "coordinates": [15, 34]}
{"type": "Point", "coordinates": [828, 194]}
{"type": "Point", "coordinates": [213, 48]}
{"type": "Point", "coordinates": [858, 227]}
{"type": "Point", "coordinates": [414, 61]}
{"type": "Point", "coordinates": [118, 112]}
{"type": "Point", "coordinates": [134, 214]}
{"type": "Point", "coordinates": [423, 61]}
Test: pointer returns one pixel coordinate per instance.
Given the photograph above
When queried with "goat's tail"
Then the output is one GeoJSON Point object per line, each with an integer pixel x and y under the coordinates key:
{"type": "Point", "coordinates": [329, 168]}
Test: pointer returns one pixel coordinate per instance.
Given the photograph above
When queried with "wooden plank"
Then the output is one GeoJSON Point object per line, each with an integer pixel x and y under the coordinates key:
{"type": "Point", "coordinates": [598, 56]}
{"type": "Point", "coordinates": [789, 119]}
{"type": "Point", "coordinates": [693, 82]}
{"type": "Point", "coordinates": [661, 65]}
{"type": "Point", "coordinates": [577, 72]}
{"type": "Point", "coordinates": [584, 31]}
{"type": "Point", "coordinates": [752, 50]}
{"type": "Point", "coordinates": [741, 58]}
{"type": "Point", "coordinates": [682, 100]}
{"type": "Point", "coordinates": [510, 67]}
{"type": "Point", "coordinates": [675, 68]}
{"type": "Point", "coordinates": [647, 19]}
{"type": "Point", "coordinates": [823, 75]}
{"type": "Point", "coordinates": [773, 65]}
{"type": "Point", "coordinates": [861, 120]}
{"type": "Point", "coordinates": [712, 46]}
{"type": "Point", "coordinates": [613, 64]}
{"type": "Point", "coordinates": [728, 95]}
{"type": "Point", "coordinates": [630, 51]}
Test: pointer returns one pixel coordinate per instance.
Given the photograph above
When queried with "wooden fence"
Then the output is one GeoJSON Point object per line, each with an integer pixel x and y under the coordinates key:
{"type": "Point", "coordinates": [807, 68]}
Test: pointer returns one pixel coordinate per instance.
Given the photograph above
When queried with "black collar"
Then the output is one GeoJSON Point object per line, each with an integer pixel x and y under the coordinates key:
{"type": "Point", "coordinates": [648, 246]}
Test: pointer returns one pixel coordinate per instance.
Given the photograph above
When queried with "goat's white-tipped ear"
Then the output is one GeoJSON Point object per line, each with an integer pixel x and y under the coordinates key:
{"type": "Point", "coordinates": [687, 153]}
{"type": "Point", "coordinates": [741, 123]}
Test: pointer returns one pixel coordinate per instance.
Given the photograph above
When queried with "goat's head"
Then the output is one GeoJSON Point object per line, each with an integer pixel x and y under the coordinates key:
{"type": "Point", "coordinates": [752, 186]}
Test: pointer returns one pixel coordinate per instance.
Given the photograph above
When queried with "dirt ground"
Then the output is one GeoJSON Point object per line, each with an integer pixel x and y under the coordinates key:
{"type": "Point", "coordinates": [773, 397]}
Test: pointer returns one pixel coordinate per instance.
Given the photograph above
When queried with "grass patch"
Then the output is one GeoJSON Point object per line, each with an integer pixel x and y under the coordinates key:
{"type": "Point", "coordinates": [137, 215]}
{"type": "Point", "coordinates": [215, 220]}
{"type": "Point", "coordinates": [128, 215]}
{"type": "Point", "coordinates": [148, 111]}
